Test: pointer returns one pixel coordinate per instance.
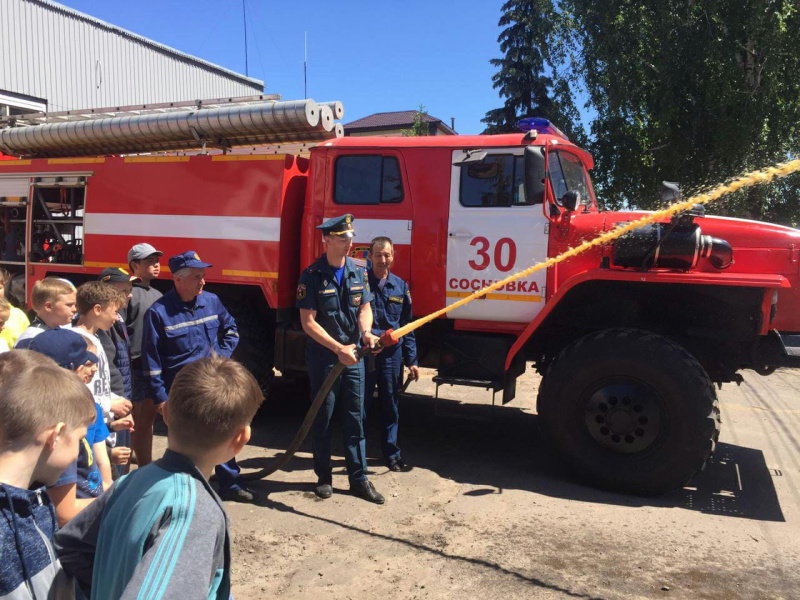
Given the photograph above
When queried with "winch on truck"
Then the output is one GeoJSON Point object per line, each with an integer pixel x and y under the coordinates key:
{"type": "Point", "coordinates": [629, 337]}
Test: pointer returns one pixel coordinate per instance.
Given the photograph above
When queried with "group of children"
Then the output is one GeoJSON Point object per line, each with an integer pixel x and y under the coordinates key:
{"type": "Point", "coordinates": [65, 421]}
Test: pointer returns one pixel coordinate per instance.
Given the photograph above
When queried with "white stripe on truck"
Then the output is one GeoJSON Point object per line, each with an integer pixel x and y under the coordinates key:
{"type": "Point", "coordinates": [254, 229]}
{"type": "Point", "coordinates": [367, 229]}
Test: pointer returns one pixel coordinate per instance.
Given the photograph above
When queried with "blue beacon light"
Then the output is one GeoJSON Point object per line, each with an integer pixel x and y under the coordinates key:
{"type": "Point", "coordinates": [541, 125]}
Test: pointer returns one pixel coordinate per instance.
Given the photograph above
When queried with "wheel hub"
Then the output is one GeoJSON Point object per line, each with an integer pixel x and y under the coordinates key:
{"type": "Point", "coordinates": [624, 416]}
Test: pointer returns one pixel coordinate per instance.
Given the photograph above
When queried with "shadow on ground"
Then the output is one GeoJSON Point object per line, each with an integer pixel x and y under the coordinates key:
{"type": "Point", "coordinates": [498, 448]}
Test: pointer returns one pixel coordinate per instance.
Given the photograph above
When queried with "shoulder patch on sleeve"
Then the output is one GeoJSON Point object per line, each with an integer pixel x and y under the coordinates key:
{"type": "Point", "coordinates": [301, 291]}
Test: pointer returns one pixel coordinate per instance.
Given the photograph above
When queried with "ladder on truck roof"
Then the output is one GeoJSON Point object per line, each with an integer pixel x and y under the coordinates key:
{"type": "Point", "coordinates": [62, 116]}
{"type": "Point", "coordinates": [222, 123]}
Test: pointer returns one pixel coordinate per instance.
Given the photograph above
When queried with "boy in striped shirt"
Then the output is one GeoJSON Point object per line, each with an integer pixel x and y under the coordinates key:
{"type": "Point", "coordinates": [161, 531]}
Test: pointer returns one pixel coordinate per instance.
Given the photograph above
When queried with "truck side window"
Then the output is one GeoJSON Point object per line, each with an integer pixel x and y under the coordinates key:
{"type": "Point", "coordinates": [495, 181]}
{"type": "Point", "coordinates": [566, 173]}
{"type": "Point", "coordinates": [13, 211]}
{"type": "Point", "coordinates": [57, 227]}
{"type": "Point", "coordinates": [369, 179]}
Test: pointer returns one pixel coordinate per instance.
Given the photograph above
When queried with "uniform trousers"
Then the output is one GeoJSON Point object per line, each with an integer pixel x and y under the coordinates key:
{"type": "Point", "coordinates": [347, 393]}
{"type": "Point", "coordinates": [229, 476]}
{"type": "Point", "coordinates": [388, 376]}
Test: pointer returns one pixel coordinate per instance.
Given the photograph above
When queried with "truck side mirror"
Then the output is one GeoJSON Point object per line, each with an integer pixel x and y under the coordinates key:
{"type": "Point", "coordinates": [670, 192]}
{"type": "Point", "coordinates": [571, 200]}
{"type": "Point", "coordinates": [535, 174]}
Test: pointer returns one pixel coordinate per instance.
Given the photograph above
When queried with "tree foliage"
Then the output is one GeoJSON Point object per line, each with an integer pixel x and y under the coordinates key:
{"type": "Point", "coordinates": [533, 74]}
{"type": "Point", "coordinates": [696, 91]}
{"type": "Point", "coordinates": [419, 125]}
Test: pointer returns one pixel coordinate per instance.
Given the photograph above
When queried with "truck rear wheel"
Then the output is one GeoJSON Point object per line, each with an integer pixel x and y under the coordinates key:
{"type": "Point", "coordinates": [630, 411]}
{"type": "Point", "coordinates": [255, 347]}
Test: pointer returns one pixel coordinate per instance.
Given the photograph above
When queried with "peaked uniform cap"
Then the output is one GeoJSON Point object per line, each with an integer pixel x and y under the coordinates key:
{"type": "Point", "coordinates": [342, 225]}
{"type": "Point", "coordinates": [187, 260]}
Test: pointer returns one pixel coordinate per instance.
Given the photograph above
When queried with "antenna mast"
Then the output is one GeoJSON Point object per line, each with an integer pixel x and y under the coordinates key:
{"type": "Point", "coordinates": [305, 65]}
{"type": "Point", "coordinates": [244, 18]}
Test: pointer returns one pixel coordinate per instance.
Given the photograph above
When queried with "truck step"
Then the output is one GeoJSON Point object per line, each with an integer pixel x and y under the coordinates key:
{"type": "Point", "coordinates": [488, 384]}
{"type": "Point", "coordinates": [791, 342]}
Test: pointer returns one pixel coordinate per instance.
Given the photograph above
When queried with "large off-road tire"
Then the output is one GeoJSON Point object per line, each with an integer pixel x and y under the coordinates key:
{"type": "Point", "coordinates": [630, 411]}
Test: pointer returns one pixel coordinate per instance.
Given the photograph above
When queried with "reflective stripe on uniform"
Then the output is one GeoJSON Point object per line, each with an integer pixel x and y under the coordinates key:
{"type": "Point", "coordinates": [151, 373]}
{"type": "Point", "coordinates": [190, 323]}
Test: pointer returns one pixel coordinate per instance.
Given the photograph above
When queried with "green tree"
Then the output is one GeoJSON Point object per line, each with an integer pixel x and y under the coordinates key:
{"type": "Point", "coordinates": [694, 91]}
{"type": "Point", "coordinates": [419, 125]}
{"type": "Point", "coordinates": [535, 76]}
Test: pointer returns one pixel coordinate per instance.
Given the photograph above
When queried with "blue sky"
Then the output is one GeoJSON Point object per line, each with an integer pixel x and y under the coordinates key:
{"type": "Point", "coordinates": [374, 56]}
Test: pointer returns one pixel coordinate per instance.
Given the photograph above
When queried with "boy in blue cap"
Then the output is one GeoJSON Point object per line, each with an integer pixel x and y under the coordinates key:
{"type": "Point", "coordinates": [334, 301]}
{"type": "Point", "coordinates": [185, 325]}
{"type": "Point", "coordinates": [83, 480]}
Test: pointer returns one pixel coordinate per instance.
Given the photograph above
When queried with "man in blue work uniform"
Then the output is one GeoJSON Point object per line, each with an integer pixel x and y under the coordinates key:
{"type": "Point", "coordinates": [333, 297]}
{"type": "Point", "coordinates": [184, 325]}
{"type": "Point", "coordinates": [391, 309]}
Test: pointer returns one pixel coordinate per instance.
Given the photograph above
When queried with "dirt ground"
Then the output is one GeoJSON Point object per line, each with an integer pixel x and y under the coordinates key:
{"type": "Point", "coordinates": [488, 513]}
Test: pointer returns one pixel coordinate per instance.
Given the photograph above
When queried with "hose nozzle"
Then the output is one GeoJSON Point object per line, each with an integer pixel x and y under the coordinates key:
{"type": "Point", "coordinates": [389, 338]}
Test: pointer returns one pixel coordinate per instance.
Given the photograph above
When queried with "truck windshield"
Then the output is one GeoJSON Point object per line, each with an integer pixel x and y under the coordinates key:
{"type": "Point", "coordinates": [566, 174]}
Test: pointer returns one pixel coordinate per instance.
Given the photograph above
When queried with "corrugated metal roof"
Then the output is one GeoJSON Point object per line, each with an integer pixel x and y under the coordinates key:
{"type": "Point", "coordinates": [400, 118]}
{"type": "Point", "coordinates": [146, 41]}
{"type": "Point", "coordinates": [76, 61]}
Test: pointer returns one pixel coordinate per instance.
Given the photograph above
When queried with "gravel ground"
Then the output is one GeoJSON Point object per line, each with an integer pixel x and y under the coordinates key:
{"type": "Point", "coordinates": [487, 512]}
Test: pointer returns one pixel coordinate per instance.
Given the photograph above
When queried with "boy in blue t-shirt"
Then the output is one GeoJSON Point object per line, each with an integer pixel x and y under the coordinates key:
{"type": "Point", "coordinates": [83, 480]}
{"type": "Point", "coordinates": [83, 473]}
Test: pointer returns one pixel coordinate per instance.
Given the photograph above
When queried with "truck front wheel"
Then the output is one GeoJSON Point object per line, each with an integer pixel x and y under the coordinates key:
{"type": "Point", "coordinates": [630, 410]}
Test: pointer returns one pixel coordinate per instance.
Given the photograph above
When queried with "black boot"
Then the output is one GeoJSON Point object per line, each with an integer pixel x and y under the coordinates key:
{"type": "Point", "coordinates": [365, 489]}
{"type": "Point", "coordinates": [241, 495]}
{"type": "Point", "coordinates": [398, 466]}
{"type": "Point", "coordinates": [323, 490]}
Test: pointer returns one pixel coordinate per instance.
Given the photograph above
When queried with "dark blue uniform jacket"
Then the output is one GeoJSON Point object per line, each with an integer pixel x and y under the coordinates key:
{"type": "Point", "coordinates": [176, 333]}
{"type": "Point", "coordinates": [337, 306]}
{"type": "Point", "coordinates": [391, 309]}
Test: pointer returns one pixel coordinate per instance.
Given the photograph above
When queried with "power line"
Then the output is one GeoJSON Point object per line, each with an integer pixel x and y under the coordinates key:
{"type": "Point", "coordinates": [258, 46]}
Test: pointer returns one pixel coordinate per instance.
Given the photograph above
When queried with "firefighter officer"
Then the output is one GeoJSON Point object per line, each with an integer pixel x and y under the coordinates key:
{"type": "Point", "coordinates": [185, 325]}
{"type": "Point", "coordinates": [334, 301]}
{"type": "Point", "coordinates": [391, 309]}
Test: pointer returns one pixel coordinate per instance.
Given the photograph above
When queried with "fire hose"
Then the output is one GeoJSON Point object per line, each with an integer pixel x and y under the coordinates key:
{"type": "Point", "coordinates": [392, 337]}
{"type": "Point", "coordinates": [386, 340]}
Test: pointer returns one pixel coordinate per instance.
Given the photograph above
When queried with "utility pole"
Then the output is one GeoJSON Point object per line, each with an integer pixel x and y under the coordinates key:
{"type": "Point", "coordinates": [244, 18]}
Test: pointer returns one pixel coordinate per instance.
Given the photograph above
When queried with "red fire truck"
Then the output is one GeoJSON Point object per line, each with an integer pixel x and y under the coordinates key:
{"type": "Point", "coordinates": [629, 337]}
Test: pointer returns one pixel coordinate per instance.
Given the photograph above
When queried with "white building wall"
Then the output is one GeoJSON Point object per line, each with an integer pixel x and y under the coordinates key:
{"type": "Point", "coordinates": [75, 61]}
